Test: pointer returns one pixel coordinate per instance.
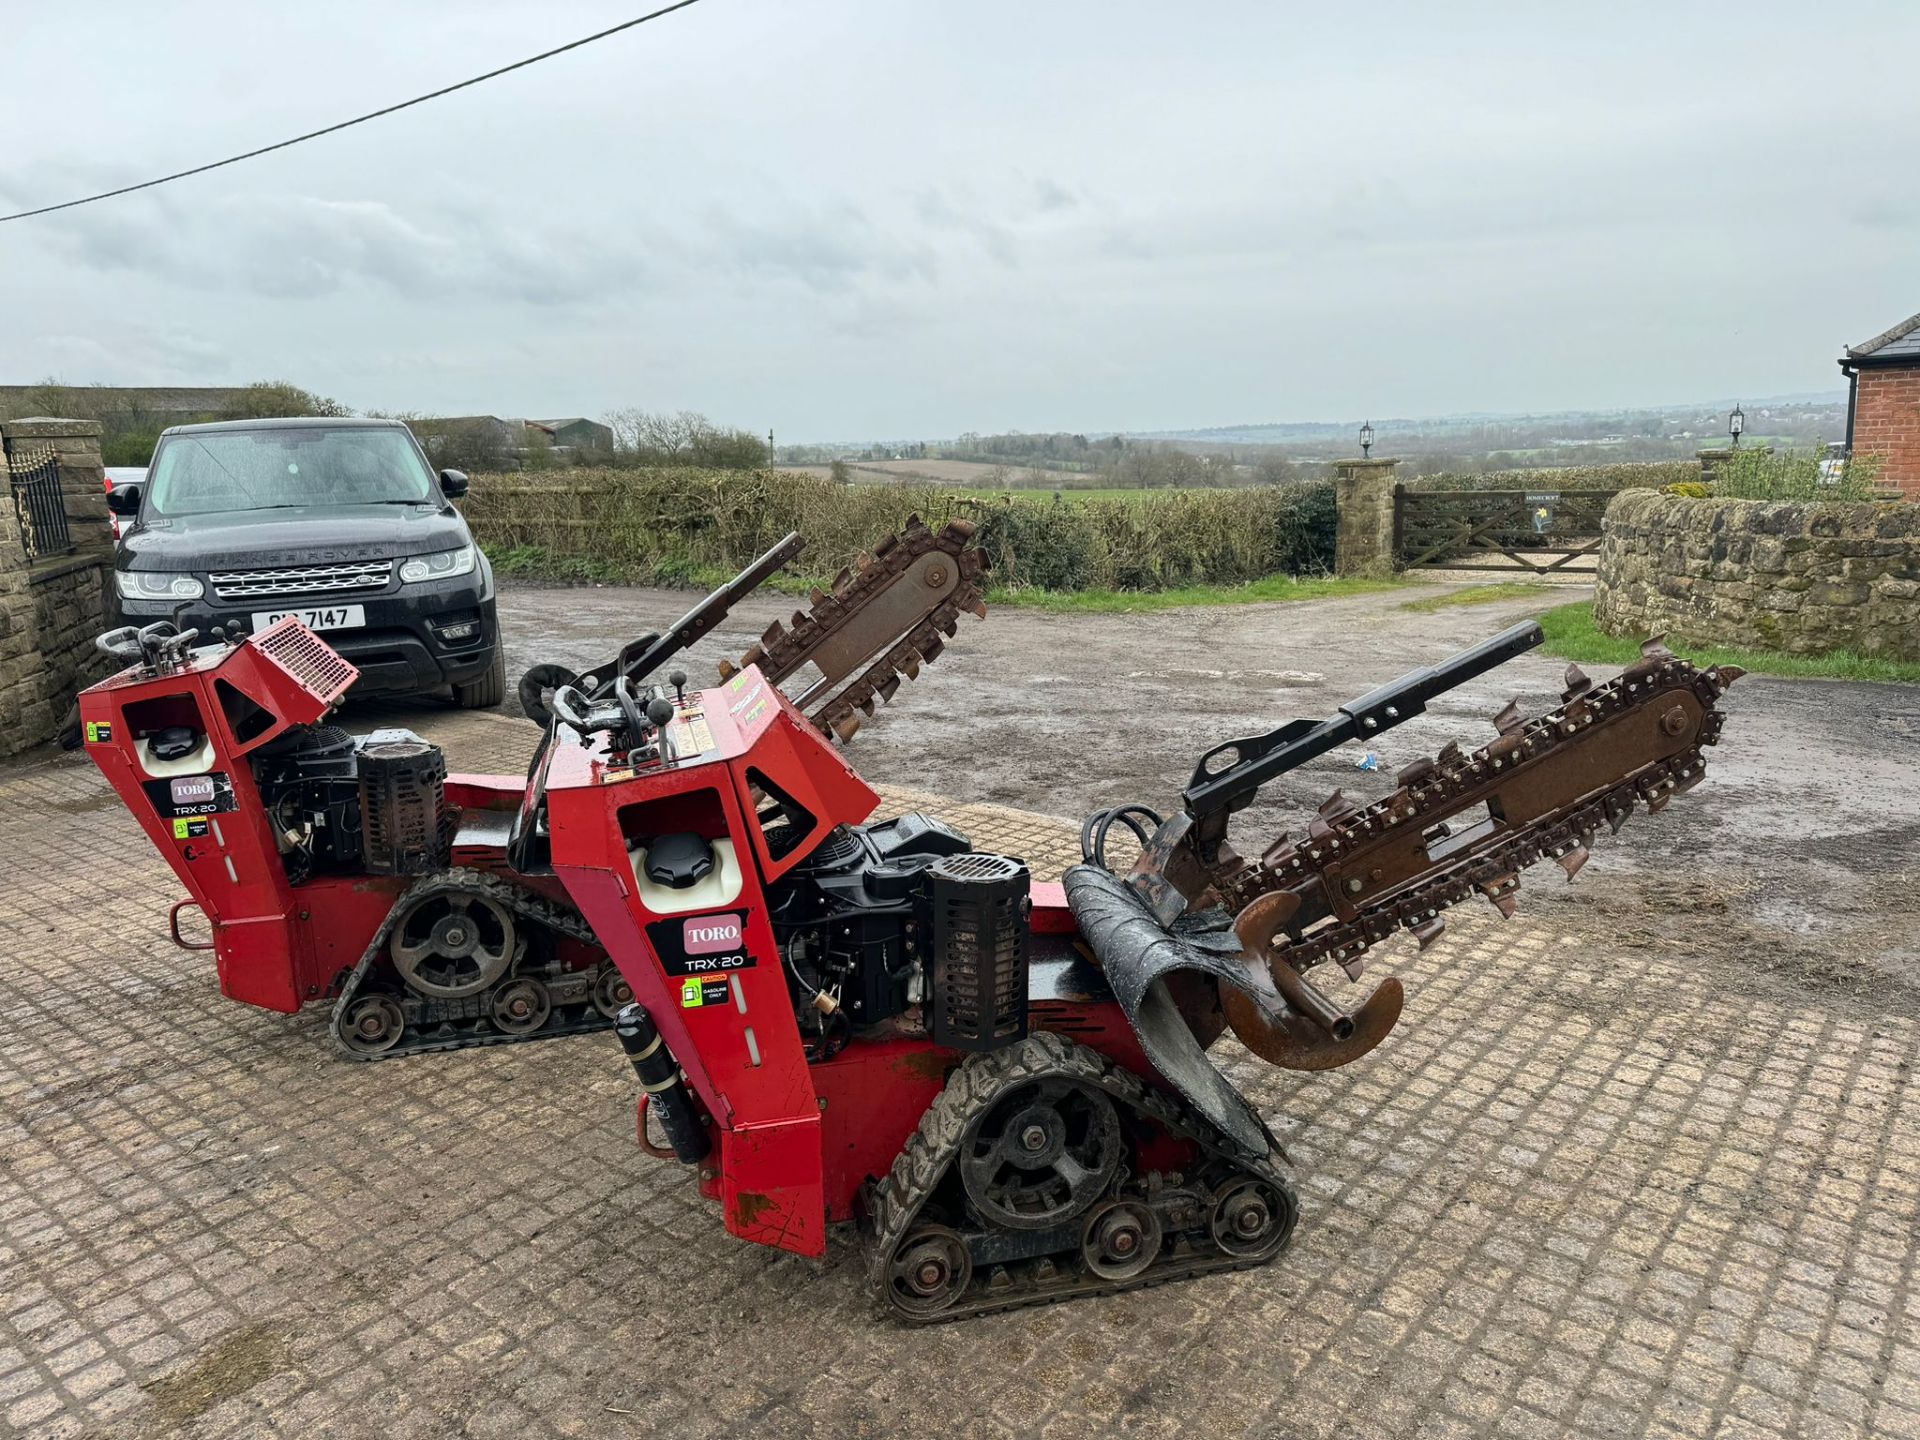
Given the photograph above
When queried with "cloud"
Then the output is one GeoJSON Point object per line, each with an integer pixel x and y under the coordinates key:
{"type": "Point", "coordinates": [828, 250]}
{"type": "Point", "coordinates": [300, 247]}
{"type": "Point", "coordinates": [1050, 196]}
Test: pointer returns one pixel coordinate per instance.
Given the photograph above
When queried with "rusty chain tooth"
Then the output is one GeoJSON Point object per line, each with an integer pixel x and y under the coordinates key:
{"type": "Point", "coordinates": [1429, 930]}
{"type": "Point", "coordinates": [1510, 718]}
{"type": "Point", "coordinates": [1654, 647]}
{"type": "Point", "coordinates": [1578, 682]}
{"type": "Point", "coordinates": [887, 687]}
{"type": "Point", "coordinates": [846, 726]}
{"type": "Point", "coordinates": [842, 580]}
{"type": "Point", "coordinates": [1414, 772]}
{"type": "Point", "coordinates": [1450, 755]}
{"type": "Point", "coordinates": [1573, 861]}
{"type": "Point", "coordinates": [771, 636]}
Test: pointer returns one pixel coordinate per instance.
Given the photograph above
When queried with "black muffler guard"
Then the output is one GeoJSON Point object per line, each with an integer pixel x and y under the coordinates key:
{"type": "Point", "coordinates": [1137, 953]}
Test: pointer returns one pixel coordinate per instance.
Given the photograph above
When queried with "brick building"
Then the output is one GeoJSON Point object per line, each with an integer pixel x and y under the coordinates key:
{"type": "Point", "coordinates": [1883, 410]}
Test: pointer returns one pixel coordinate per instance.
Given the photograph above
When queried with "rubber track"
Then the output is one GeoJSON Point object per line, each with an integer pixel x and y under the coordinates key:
{"type": "Point", "coordinates": [895, 1202]}
{"type": "Point", "coordinates": [1434, 792]}
{"type": "Point", "coordinates": [525, 903]}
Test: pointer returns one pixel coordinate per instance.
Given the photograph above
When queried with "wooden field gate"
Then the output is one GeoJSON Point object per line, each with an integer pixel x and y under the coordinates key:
{"type": "Point", "coordinates": [1542, 531]}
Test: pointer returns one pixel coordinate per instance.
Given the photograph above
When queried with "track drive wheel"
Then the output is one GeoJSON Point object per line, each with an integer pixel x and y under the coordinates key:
{"type": "Point", "coordinates": [1041, 1155]}
{"type": "Point", "coordinates": [453, 944]}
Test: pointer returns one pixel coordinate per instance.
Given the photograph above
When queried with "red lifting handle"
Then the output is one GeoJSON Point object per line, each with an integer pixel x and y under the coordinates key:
{"type": "Point", "coordinates": [173, 927]}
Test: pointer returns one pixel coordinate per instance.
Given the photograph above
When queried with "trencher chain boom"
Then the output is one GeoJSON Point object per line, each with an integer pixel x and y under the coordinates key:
{"type": "Point", "coordinates": [835, 1017]}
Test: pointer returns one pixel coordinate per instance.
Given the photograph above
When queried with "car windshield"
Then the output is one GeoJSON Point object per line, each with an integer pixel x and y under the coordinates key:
{"type": "Point", "coordinates": [224, 470]}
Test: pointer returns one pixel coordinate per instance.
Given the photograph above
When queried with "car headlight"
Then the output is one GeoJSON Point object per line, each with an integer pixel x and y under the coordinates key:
{"type": "Point", "coordinates": [156, 585]}
{"type": "Point", "coordinates": [441, 566]}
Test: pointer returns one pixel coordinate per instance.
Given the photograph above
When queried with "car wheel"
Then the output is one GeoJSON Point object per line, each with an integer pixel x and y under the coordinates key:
{"type": "Point", "coordinates": [487, 691]}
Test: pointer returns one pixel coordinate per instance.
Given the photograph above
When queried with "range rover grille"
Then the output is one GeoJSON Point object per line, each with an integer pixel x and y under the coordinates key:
{"type": "Point", "coordinates": [302, 580]}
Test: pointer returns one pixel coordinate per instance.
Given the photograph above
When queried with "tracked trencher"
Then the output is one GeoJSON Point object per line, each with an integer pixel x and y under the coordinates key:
{"type": "Point", "coordinates": [834, 1017]}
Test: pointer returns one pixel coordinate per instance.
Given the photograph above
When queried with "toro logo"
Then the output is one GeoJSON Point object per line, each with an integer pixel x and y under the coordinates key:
{"type": "Point", "coordinates": [711, 934]}
{"type": "Point", "coordinates": [193, 789]}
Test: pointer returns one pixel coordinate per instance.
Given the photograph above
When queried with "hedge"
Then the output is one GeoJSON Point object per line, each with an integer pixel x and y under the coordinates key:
{"type": "Point", "coordinates": [1627, 475]}
{"type": "Point", "coordinates": [686, 526]}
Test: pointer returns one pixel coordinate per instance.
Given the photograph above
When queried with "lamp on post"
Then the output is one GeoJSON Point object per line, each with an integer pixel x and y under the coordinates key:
{"type": "Point", "coordinates": [1736, 422]}
{"type": "Point", "coordinates": [1366, 439]}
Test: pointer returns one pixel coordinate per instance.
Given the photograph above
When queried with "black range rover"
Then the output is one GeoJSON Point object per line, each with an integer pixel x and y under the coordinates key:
{"type": "Point", "coordinates": [341, 522]}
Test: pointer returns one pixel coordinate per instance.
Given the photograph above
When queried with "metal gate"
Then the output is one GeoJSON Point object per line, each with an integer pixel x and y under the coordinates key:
{"type": "Point", "coordinates": [1541, 531]}
{"type": "Point", "coordinates": [34, 477]}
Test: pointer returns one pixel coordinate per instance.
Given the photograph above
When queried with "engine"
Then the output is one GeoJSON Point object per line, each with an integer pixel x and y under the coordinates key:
{"type": "Point", "coordinates": [901, 924]}
{"type": "Point", "coordinates": [339, 802]}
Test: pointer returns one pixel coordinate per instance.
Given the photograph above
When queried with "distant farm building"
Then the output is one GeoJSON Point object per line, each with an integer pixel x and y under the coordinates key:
{"type": "Point", "coordinates": [577, 433]}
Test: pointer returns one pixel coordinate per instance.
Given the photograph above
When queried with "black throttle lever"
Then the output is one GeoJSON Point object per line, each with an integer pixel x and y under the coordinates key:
{"type": "Point", "coordinates": [121, 644]}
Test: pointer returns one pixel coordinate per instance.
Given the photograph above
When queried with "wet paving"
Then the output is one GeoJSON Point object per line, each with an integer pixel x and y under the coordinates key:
{"type": "Point", "coordinates": [1638, 1162]}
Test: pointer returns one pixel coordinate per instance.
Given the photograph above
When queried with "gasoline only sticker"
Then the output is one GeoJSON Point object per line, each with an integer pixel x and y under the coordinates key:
{"type": "Point", "coordinates": [99, 732]}
{"type": "Point", "coordinates": [695, 993]}
{"type": "Point", "coordinates": [188, 828]}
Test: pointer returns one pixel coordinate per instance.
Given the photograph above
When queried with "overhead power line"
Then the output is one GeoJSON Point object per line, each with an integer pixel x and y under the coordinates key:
{"type": "Point", "coordinates": [359, 119]}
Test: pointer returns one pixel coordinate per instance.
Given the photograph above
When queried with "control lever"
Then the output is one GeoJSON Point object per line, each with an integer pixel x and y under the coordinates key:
{"type": "Point", "coordinates": [121, 644]}
{"type": "Point", "coordinates": [569, 705]}
{"type": "Point", "coordinates": [678, 679]}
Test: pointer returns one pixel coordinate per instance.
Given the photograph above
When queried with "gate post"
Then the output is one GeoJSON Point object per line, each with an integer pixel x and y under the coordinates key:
{"type": "Point", "coordinates": [1364, 492]}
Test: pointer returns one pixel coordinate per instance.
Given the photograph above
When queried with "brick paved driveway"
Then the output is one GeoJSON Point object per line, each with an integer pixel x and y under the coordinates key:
{"type": "Point", "coordinates": [1587, 1189]}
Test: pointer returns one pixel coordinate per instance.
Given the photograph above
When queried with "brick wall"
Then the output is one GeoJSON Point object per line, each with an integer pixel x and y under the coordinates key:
{"type": "Point", "coordinates": [1886, 422]}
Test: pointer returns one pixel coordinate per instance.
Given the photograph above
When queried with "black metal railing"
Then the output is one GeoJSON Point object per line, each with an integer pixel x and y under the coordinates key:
{"type": "Point", "coordinates": [39, 504]}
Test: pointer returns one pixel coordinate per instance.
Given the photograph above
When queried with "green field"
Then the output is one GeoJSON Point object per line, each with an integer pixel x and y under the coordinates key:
{"type": "Point", "coordinates": [1572, 635]}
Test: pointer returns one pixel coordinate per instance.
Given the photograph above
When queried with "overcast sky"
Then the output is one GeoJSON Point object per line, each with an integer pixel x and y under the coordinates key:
{"type": "Point", "coordinates": [898, 218]}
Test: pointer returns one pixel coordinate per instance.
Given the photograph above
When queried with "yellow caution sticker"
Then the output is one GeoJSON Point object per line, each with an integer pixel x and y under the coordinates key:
{"type": "Point", "coordinates": [99, 732]}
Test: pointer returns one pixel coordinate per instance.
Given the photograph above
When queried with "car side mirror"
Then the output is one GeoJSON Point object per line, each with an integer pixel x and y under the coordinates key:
{"type": "Point", "coordinates": [453, 483]}
{"type": "Point", "coordinates": [124, 502]}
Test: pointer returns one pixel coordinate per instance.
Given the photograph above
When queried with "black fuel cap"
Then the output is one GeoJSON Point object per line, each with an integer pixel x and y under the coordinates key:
{"type": "Point", "coordinates": [679, 861]}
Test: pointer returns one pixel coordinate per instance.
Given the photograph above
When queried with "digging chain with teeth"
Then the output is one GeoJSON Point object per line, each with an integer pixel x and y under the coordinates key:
{"type": "Point", "coordinates": [1437, 788]}
{"type": "Point", "coordinates": [783, 649]}
{"type": "Point", "coordinates": [432, 1024]}
{"type": "Point", "coordinates": [988, 1269]}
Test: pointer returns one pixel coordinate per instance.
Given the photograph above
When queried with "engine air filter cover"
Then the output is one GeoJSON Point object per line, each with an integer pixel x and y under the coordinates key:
{"type": "Point", "coordinates": [402, 804]}
{"type": "Point", "coordinates": [980, 907]}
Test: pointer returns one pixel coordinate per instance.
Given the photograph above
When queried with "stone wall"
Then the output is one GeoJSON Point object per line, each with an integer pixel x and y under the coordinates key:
{"type": "Point", "coordinates": [51, 609]}
{"type": "Point", "coordinates": [1799, 578]}
{"type": "Point", "coordinates": [1363, 490]}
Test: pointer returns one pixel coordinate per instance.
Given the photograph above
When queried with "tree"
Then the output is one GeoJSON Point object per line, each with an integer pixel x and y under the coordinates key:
{"type": "Point", "coordinates": [276, 399]}
{"type": "Point", "coordinates": [685, 437]}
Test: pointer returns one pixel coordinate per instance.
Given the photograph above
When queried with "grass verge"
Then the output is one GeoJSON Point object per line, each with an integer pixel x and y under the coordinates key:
{"type": "Point", "coordinates": [1478, 595]}
{"type": "Point", "coordinates": [1134, 602]}
{"type": "Point", "coordinates": [1572, 635]}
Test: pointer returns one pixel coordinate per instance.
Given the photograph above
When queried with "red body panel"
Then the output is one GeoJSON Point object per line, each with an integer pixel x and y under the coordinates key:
{"type": "Point", "coordinates": [738, 1043]}
{"type": "Point", "coordinates": [217, 835]}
